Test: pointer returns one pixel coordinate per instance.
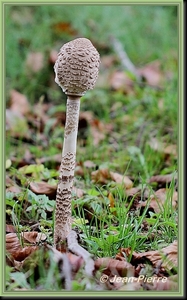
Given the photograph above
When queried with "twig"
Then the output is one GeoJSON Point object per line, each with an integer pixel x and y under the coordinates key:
{"type": "Point", "coordinates": [74, 247]}
{"type": "Point", "coordinates": [64, 266]}
{"type": "Point", "coordinates": [127, 63]}
{"type": "Point", "coordinates": [125, 60]}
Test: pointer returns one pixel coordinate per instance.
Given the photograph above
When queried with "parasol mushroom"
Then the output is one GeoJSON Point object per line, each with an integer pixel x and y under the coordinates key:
{"type": "Point", "coordinates": [76, 71]}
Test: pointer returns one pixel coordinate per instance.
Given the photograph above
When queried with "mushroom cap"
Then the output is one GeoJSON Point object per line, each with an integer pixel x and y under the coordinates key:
{"type": "Point", "coordinates": [77, 67]}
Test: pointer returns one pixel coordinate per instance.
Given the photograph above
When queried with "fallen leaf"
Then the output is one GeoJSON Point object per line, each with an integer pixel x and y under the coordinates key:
{"type": "Point", "coordinates": [133, 191]}
{"type": "Point", "coordinates": [79, 171]}
{"type": "Point", "coordinates": [9, 181]}
{"type": "Point", "coordinates": [14, 189]}
{"type": "Point", "coordinates": [163, 178]}
{"type": "Point", "coordinates": [53, 55]}
{"type": "Point", "coordinates": [164, 148]}
{"type": "Point", "coordinates": [158, 200]}
{"type": "Point", "coordinates": [97, 135]}
{"type": "Point", "coordinates": [121, 179]}
{"type": "Point", "coordinates": [103, 176]}
{"type": "Point", "coordinates": [167, 257]}
{"type": "Point", "coordinates": [27, 159]}
{"type": "Point", "coordinates": [35, 61]}
{"type": "Point", "coordinates": [33, 237]}
{"type": "Point", "coordinates": [19, 103]}
{"type": "Point", "coordinates": [120, 81]}
{"type": "Point", "coordinates": [170, 150]}
{"type": "Point", "coordinates": [9, 261]}
{"type": "Point", "coordinates": [10, 228]}
{"type": "Point", "coordinates": [16, 123]}
{"type": "Point", "coordinates": [40, 188]}
{"type": "Point", "coordinates": [14, 248]}
{"type": "Point", "coordinates": [64, 27]}
{"type": "Point", "coordinates": [112, 200]}
{"type": "Point", "coordinates": [110, 267]}
{"type": "Point", "coordinates": [133, 284]}
{"type": "Point", "coordinates": [163, 284]}
{"type": "Point", "coordinates": [78, 192]}
{"type": "Point", "coordinates": [151, 283]}
{"type": "Point", "coordinates": [152, 73]}
{"type": "Point", "coordinates": [75, 261]}
{"type": "Point", "coordinates": [98, 129]}
{"type": "Point", "coordinates": [19, 248]}
{"type": "Point", "coordinates": [57, 158]}
{"type": "Point", "coordinates": [89, 164]}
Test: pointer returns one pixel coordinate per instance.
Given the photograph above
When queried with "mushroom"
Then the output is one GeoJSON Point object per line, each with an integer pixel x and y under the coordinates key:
{"type": "Point", "coordinates": [76, 70]}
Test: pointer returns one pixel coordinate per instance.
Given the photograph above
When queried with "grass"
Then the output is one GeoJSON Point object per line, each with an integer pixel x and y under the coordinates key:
{"type": "Point", "coordinates": [147, 33]}
{"type": "Point", "coordinates": [120, 227]}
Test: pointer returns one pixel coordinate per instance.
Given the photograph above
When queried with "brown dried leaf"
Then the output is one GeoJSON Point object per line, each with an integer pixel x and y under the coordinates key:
{"type": "Point", "coordinates": [101, 176]}
{"type": "Point", "coordinates": [35, 61]}
{"type": "Point", "coordinates": [78, 192]}
{"type": "Point", "coordinates": [42, 187]}
{"type": "Point", "coordinates": [98, 131]}
{"type": "Point", "coordinates": [33, 237]}
{"type": "Point", "coordinates": [10, 229]}
{"type": "Point", "coordinates": [134, 193]}
{"type": "Point", "coordinates": [89, 164]}
{"type": "Point", "coordinates": [104, 175]}
{"type": "Point", "coordinates": [163, 178]}
{"type": "Point", "coordinates": [164, 148]}
{"type": "Point", "coordinates": [97, 128]}
{"type": "Point", "coordinates": [151, 283]}
{"type": "Point", "coordinates": [107, 61]}
{"type": "Point", "coordinates": [86, 120]}
{"type": "Point", "coordinates": [53, 55]}
{"type": "Point", "coordinates": [75, 261]}
{"type": "Point", "coordinates": [158, 200]}
{"type": "Point", "coordinates": [121, 81]}
{"type": "Point", "coordinates": [152, 73]}
{"type": "Point", "coordinates": [27, 159]}
{"type": "Point", "coordinates": [64, 27]}
{"type": "Point", "coordinates": [14, 247]}
{"type": "Point", "coordinates": [167, 257]}
{"type": "Point", "coordinates": [9, 181]}
{"type": "Point", "coordinates": [9, 261]}
{"type": "Point", "coordinates": [170, 150]}
{"type": "Point", "coordinates": [19, 103]}
{"type": "Point", "coordinates": [134, 284]}
{"type": "Point", "coordinates": [97, 135]}
{"type": "Point", "coordinates": [121, 179]}
{"type": "Point", "coordinates": [14, 189]}
{"type": "Point", "coordinates": [20, 251]}
{"type": "Point", "coordinates": [53, 159]}
{"type": "Point", "coordinates": [164, 284]}
{"type": "Point", "coordinates": [16, 123]}
{"type": "Point", "coordinates": [79, 171]}
{"type": "Point", "coordinates": [115, 270]}
{"type": "Point", "coordinates": [112, 200]}
{"type": "Point", "coordinates": [86, 115]}
{"type": "Point", "coordinates": [111, 267]}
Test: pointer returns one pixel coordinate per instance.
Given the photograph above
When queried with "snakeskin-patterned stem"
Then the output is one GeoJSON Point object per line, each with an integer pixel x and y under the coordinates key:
{"type": "Point", "coordinates": [64, 189]}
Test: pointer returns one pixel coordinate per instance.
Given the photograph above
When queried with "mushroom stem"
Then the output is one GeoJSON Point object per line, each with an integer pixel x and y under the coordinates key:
{"type": "Point", "coordinates": [67, 168]}
{"type": "Point", "coordinates": [63, 218]}
{"type": "Point", "coordinates": [76, 70]}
